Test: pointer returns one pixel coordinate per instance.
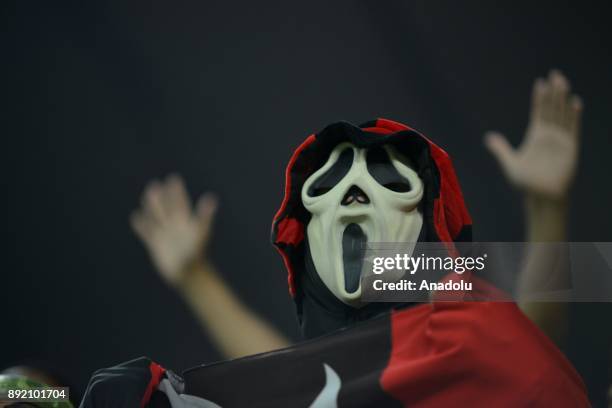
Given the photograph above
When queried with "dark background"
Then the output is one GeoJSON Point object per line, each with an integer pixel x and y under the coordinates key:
{"type": "Point", "coordinates": [101, 97]}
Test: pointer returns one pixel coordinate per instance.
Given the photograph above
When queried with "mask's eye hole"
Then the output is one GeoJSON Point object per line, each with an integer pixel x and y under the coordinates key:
{"type": "Point", "coordinates": [380, 167]}
{"type": "Point", "coordinates": [333, 175]}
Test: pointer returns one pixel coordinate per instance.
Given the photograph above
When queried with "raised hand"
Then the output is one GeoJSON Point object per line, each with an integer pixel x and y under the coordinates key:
{"type": "Point", "coordinates": [176, 236]}
{"type": "Point", "coordinates": [544, 164]}
{"type": "Point", "coordinates": [174, 233]}
{"type": "Point", "coordinates": [543, 167]}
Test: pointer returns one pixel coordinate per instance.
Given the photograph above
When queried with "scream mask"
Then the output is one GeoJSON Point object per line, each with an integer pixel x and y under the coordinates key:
{"type": "Point", "coordinates": [348, 185]}
{"type": "Point", "coordinates": [359, 195]}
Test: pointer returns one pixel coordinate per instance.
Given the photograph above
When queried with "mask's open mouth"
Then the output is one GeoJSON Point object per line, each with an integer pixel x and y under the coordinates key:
{"type": "Point", "coordinates": [353, 245]}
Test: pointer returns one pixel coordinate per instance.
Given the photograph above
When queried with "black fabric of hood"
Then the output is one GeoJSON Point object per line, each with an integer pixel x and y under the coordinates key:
{"type": "Point", "coordinates": [321, 312]}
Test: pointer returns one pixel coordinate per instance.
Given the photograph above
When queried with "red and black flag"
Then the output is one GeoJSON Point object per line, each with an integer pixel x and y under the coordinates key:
{"type": "Point", "coordinates": [432, 355]}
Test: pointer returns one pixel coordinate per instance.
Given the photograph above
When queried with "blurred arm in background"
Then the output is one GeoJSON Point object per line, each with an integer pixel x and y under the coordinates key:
{"type": "Point", "coordinates": [176, 236]}
{"type": "Point", "coordinates": [543, 168]}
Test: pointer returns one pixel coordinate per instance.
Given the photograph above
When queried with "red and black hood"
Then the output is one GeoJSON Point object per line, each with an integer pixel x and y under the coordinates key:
{"type": "Point", "coordinates": [445, 215]}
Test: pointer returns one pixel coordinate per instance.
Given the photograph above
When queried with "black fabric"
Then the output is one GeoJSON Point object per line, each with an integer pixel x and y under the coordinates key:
{"type": "Point", "coordinates": [321, 312]}
{"type": "Point", "coordinates": [295, 376]}
{"type": "Point", "coordinates": [158, 400]}
{"type": "Point", "coordinates": [121, 386]}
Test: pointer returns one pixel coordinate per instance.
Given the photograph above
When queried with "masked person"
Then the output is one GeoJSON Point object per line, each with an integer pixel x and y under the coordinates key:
{"type": "Point", "coordinates": [347, 185]}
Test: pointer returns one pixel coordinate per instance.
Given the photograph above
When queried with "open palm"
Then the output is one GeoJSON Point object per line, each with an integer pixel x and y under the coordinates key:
{"type": "Point", "coordinates": [174, 234]}
{"type": "Point", "coordinates": [544, 163]}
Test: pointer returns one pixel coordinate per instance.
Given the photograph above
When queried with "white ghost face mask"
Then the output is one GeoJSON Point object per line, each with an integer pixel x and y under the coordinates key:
{"type": "Point", "coordinates": [359, 196]}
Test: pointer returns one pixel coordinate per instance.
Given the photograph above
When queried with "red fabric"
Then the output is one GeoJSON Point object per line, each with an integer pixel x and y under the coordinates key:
{"type": "Point", "coordinates": [290, 231]}
{"type": "Point", "coordinates": [310, 139]}
{"type": "Point", "coordinates": [452, 213]}
{"type": "Point", "coordinates": [378, 130]}
{"type": "Point", "coordinates": [157, 372]}
{"type": "Point", "coordinates": [391, 125]}
{"type": "Point", "coordinates": [480, 354]}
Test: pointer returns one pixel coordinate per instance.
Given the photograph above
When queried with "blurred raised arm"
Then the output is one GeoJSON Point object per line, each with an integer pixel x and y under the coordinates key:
{"type": "Point", "coordinates": [543, 168]}
{"type": "Point", "coordinates": [176, 237]}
